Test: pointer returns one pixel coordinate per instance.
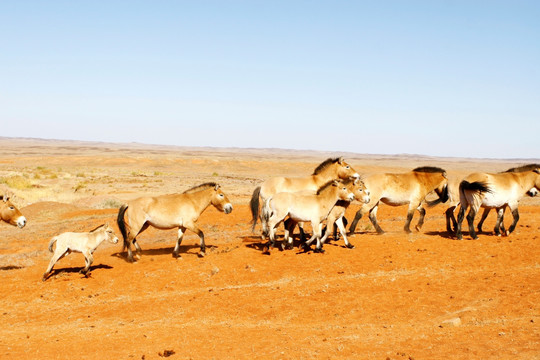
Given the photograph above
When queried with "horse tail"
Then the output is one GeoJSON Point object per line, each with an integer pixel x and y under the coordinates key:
{"type": "Point", "coordinates": [475, 187]}
{"type": "Point", "coordinates": [266, 212]}
{"type": "Point", "coordinates": [122, 223]}
{"type": "Point", "coordinates": [442, 198]}
{"type": "Point", "coordinates": [51, 243]}
{"type": "Point", "coordinates": [254, 205]}
{"type": "Point", "coordinates": [478, 187]}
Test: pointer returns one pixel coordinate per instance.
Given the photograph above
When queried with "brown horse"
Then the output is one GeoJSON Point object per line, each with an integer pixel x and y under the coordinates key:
{"type": "Point", "coordinates": [330, 169]}
{"type": "Point", "coordinates": [10, 214]}
{"type": "Point", "coordinates": [401, 189]}
{"type": "Point", "coordinates": [495, 191]}
{"type": "Point", "coordinates": [170, 211]}
{"type": "Point", "coordinates": [304, 207]}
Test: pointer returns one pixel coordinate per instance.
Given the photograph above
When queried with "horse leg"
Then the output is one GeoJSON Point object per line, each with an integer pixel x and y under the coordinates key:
{"type": "Point", "coordinates": [515, 214]}
{"type": "Point", "coordinates": [482, 219]}
{"type": "Point", "coordinates": [450, 217]}
{"type": "Point", "coordinates": [422, 212]}
{"type": "Point", "coordinates": [461, 215]}
{"type": "Point", "coordinates": [501, 225]}
{"type": "Point", "coordinates": [196, 230]}
{"type": "Point", "coordinates": [500, 212]}
{"type": "Point", "coordinates": [470, 219]}
{"type": "Point", "coordinates": [341, 226]}
{"type": "Point", "coordinates": [356, 219]}
{"type": "Point", "coordinates": [176, 251]}
{"type": "Point", "coordinates": [317, 230]}
{"type": "Point", "coordinates": [89, 259]}
{"type": "Point", "coordinates": [289, 225]}
{"type": "Point", "coordinates": [58, 254]}
{"type": "Point", "coordinates": [373, 218]}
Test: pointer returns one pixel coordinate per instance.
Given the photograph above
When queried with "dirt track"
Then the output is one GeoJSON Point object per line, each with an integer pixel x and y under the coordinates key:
{"type": "Point", "coordinates": [397, 296]}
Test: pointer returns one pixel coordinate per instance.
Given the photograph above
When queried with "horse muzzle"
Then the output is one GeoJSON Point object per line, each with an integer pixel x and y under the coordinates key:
{"type": "Point", "coordinates": [351, 197]}
{"type": "Point", "coordinates": [366, 199]}
{"type": "Point", "coordinates": [21, 222]}
{"type": "Point", "coordinates": [227, 209]}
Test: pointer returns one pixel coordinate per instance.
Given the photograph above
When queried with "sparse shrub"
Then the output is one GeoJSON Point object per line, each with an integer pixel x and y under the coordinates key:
{"type": "Point", "coordinates": [79, 186]}
{"type": "Point", "coordinates": [158, 173]}
{"type": "Point", "coordinates": [17, 182]}
{"type": "Point", "coordinates": [81, 175]}
{"type": "Point", "coordinates": [111, 204]}
{"type": "Point", "coordinates": [215, 174]}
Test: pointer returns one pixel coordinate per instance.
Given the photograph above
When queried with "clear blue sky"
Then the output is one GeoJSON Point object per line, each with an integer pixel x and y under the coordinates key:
{"type": "Point", "coordinates": [444, 78]}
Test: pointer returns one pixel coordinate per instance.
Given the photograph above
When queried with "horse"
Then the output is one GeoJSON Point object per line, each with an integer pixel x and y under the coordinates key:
{"type": "Point", "coordinates": [495, 191]}
{"type": "Point", "coordinates": [304, 207]}
{"type": "Point", "coordinates": [453, 202]}
{"type": "Point", "coordinates": [401, 189]}
{"type": "Point", "coordinates": [170, 211]}
{"type": "Point", "coordinates": [336, 216]}
{"type": "Point", "coordinates": [10, 214]}
{"type": "Point", "coordinates": [330, 169]}
{"type": "Point", "coordinates": [85, 243]}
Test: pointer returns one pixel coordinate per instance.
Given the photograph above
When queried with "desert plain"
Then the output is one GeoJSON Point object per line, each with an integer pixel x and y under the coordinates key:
{"type": "Point", "coordinates": [394, 296]}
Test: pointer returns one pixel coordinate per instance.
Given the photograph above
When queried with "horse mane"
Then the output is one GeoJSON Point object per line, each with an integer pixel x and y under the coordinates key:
{"type": "Point", "coordinates": [523, 168]}
{"type": "Point", "coordinates": [200, 187]}
{"type": "Point", "coordinates": [99, 227]}
{"type": "Point", "coordinates": [324, 165]}
{"type": "Point", "coordinates": [429, 169]}
{"type": "Point", "coordinates": [323, 187]}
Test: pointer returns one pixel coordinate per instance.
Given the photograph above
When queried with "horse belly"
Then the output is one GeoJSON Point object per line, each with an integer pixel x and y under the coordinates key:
{"type": "Point", "coordinates": [395, 201]}
{"type": "Point", "coordinates": [494, 200]}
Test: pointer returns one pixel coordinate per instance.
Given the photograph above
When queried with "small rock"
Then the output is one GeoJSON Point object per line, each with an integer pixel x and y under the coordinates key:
{"type": "Point", "coordinates": [452, 322]}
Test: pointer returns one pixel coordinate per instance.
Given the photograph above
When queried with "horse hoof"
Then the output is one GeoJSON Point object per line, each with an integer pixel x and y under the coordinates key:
{"type": "Point", "coordinates": [350, 246]}
{"type": "Point", "coordinates": [201, 254]}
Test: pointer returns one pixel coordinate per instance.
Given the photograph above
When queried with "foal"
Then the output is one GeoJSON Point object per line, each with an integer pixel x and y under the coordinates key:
{"type": "Point", "coordinates": [85, 243]}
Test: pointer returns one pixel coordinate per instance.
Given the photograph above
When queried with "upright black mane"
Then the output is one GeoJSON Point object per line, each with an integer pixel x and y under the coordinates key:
{"type": "Point", "coordinates": [99, 227]}
{"type": "Point", "coordinates": [200, 187]}
{"type": "Point", "coordinates": [523, 168]}
{"type": "Point", "coordinates": [429, 169]}
{"type": "Point", "coordinates": [323, 187]}
{"type": "Point", "coordinates": [324, 165]}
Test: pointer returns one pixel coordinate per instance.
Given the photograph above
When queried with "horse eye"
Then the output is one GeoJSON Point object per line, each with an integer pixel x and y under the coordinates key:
{"type": "Point", "coordinates": [348, 167]}
{"type": "Point", "coordinates": [221, 195]}
{"type": "Point", "coordinates": [11, 208]}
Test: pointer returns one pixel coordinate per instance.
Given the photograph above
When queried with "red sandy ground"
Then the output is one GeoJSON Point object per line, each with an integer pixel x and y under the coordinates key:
{"type": "Point", "coordinates": [389, 298]}
{"type": "Point", "coordinates": [395, 296]}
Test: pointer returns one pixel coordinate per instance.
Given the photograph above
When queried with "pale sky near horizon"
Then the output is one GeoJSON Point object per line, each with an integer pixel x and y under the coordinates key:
{"type": "Point", "coordinates": [442, 78]}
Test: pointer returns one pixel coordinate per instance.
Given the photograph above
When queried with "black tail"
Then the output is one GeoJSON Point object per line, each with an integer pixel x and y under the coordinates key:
{"type": "Point", "coordinates": [442, 198]}
{"type": "Point", "coordinates": [122, 224]}
{"type": "Point", "coordinates": [254, 205]}
{"type": "Point", "coordinates": [476, 186]}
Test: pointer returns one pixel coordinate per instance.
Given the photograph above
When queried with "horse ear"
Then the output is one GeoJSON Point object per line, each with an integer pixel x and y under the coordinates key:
{"type": "Point", "coordinates": [217, 187]}
{"type": "Point", "coordinates": [340, 160]}
{"type": "Point", "coordinates": [335, 183]}
{"type": "Point", "coordinates": [5, 198]}
{"type": "Point", "coordinates": [537, 170]}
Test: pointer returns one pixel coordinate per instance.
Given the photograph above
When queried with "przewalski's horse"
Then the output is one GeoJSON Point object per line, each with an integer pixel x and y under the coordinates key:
{"type": "Point", "coordinates": [304, 207]}
{"type": "Point", "coordinates": [9, 213]}
{"type": "Point", "coordinates": [361, 194]}
{"type": "Point", "coordinates": [495, 191]}
{"type": "Point", "coordinates": [401, 189]}
{"type": "Point", "coordinates": [170, 211]}
{"type": "Point", "coordinates": [330, 169]}
{"type": "Point", "coordinates": [453, 202]}
{"type": "Point", "coordinates": [85, 243]}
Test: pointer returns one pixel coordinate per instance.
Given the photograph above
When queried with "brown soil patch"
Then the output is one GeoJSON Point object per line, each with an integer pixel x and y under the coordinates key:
{"type": "Point", "coordinates": [396, 296]}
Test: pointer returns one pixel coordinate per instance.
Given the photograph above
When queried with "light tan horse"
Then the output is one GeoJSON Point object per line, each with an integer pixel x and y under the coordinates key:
{"type": "Point", "coordinates": [401, 189]}
{"type": "Point", "coordinates": [495, 191]}
{"type": "Point", "coordinates": [304, 207]}
{"type": "Point", "coordinates": [10, 214]}
{"type": "Point", "coordinates": [85, 243]}
{"type": "Point", "coordinates": [170, 211]}
{"type": "Point", "coordinates": [330, 169]}
{"type": "Point", "coordinates": [453, 202]}
{"type": "Point", "coordinates": [336, 216]}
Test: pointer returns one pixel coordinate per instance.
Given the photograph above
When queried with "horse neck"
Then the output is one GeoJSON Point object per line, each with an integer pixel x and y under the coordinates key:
{"type": "Point", "coordinates": [325, 175]}
{"type": "Point", "coordinates": [202, 200]}
{"type": "Point", "coordinates": [96, 238]}
{"type": "Point", "coordinates": [527, 180]}
{"type": "Point", "coordinates": [329, 197]}
{"type": "Point", "coordinates": [432, 181]}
